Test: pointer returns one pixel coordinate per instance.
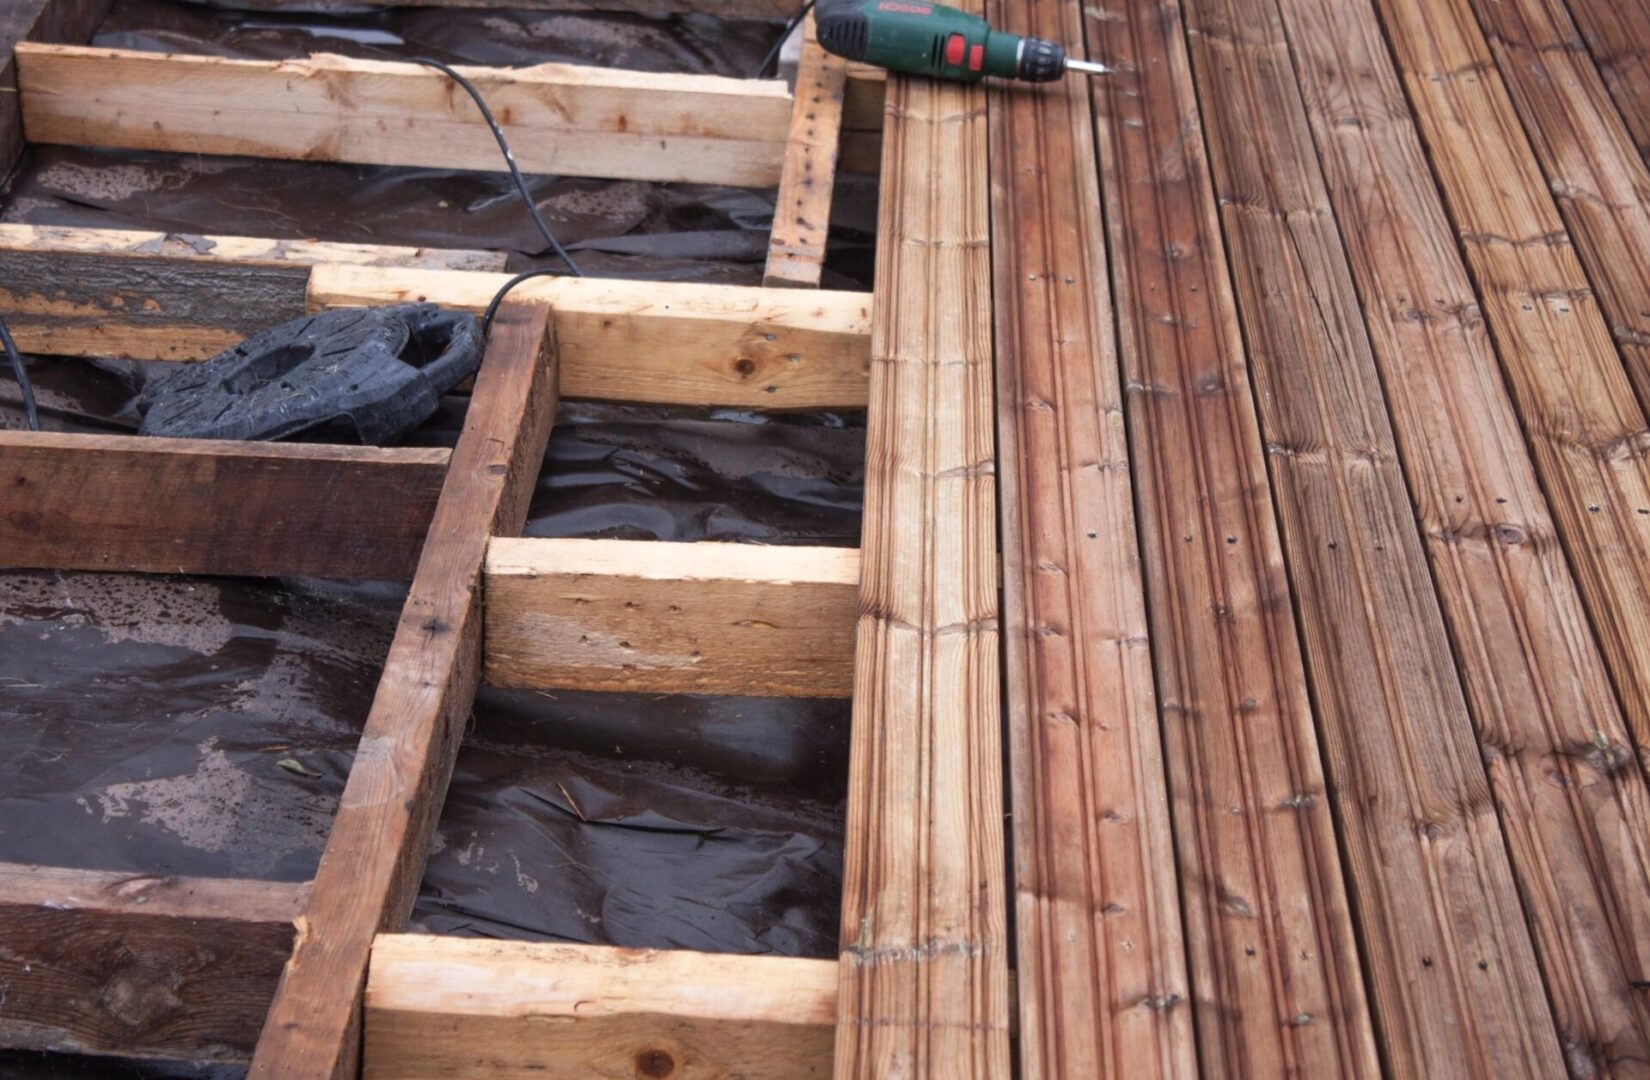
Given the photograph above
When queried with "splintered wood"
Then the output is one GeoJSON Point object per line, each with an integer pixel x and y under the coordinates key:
{"type": "Point", "coordinates": [924, 971]}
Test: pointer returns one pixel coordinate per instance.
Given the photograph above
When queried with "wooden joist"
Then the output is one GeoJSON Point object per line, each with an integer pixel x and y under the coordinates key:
{"type": "Point", "coordinates": [70, 22]}
{"type": "Point", "coordinates": [1276, 979]}
{"type": "Point", "coordinates": [802, 207]}
{"type": "Point", "coordinates": [1575, 403]}
{"type": "Point", "coordinates": [656, 617]}
{"type": "Point", "coordinates": [113, 293]}
{"type": "Point", "coordinates": [1449, 959]}
{"type": "Point", "coordinates": [1592, 167]}
{"type": "Point", "coordinates": [1100, 950]}
{"type": "Point", "coordinates": [560, 118]}
{"type": "Point", "coordinates": [724, 9]}
{"type": "Point", "coordinates": [198, 506]}
{"type": "Point", "coordinates": [374, 858]}
{"type": "Point", "coordinates": [924, 971]}
{"type": "Point", "coordinates": [438, 1008]}
{"type": "Point", "coordinates": [59, 240]}
{"type": "Point", "coordinates": [663, 342]}
{"type": "Point", "coordinates": [95, 962]}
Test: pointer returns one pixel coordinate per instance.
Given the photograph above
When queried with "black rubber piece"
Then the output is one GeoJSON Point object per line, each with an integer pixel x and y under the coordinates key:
{"type": "Point", "coordinates": [1041, 61]}
{"type": "Point", "coordinates": [369, 373]}
{"type": "Point", "coordinates": [844, 30]}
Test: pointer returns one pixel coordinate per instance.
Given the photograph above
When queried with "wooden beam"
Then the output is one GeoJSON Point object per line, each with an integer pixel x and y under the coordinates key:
{"type": "Point", "coordinates": [653, 617]}
{"type": "Point", "coordinates": [564, 119]}
{"type": "Point", "coordinates": [1276, 980]}
{"type": "Point", "coordinates": [924, 972]}
{"type": "Point", "coordinates": [1575, 403]}
{"type": "Point", "coordinates": [438, 1008]}
{"type": "Point", "coordinates": [199, 506]}
{"type": "Point", "coordinates": [1438, 895]}
{"type": "Point", "coordinates": [1100, 949]}
{"type": "Point", "coordinates": [1593, 170]}
{"type": "Point", "coordinates": [94, 962]}
{"type": "Point", "coordinates": [61, 240]}
{"type": "Point", "coordinates": [370, 869]}
{"type": "Point", "coordinates": [69, 22]}
{"type": "Point", "coordinates": [663, 342]}
{"type": "Point", "coordinates": [723, 9]}
{"type": "Point", "coordinates": [802, 207]}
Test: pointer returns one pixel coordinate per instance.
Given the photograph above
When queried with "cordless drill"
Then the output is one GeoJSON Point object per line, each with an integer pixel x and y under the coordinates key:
{"type": "Point", "coordinates": [920, 38]}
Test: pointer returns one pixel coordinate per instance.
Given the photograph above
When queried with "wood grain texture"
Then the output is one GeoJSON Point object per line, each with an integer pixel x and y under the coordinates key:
{"type": "Point", "coordinates": [924, 971]}
{"type": "Point", "coordinates": [1593, 169]}
{"type": "Point", "coordinates": [370, 869]}
{"type": "Point", "coordinates": [802, 207]}
{"type": "Point", "coordinates": [200, 506]}
{"type": "Point", "coordinates": [560, 118]}
{"type": "Point", "coordinates": [1453, 978]}
{"type": "Point", "coordinates": [69, 22]}
{"type": "Point", "coordinates": [60, 239]}
{"type": "Point", "coordinates": [1276, 982]}
{"type": "Point", "coordinates": [455, 1009]}
{"type": "Point", "coordinates": [1618, 36]}
{"type": "Point", "coordinates": [663, 342]}
{"type": "Point", "coordinates": [725, 9]}
{"type": "Point", "coordinates": [1575, 403]}
{"type": "Point", "coordinates": [1100, 952]}
{"type": "Point", "coordinates": [654, 617]}
{"type": "Point", "coordinates": [95, 962]}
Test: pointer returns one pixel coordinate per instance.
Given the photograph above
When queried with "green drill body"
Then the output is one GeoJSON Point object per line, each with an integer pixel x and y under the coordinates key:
{"type": "Point", "coordinates": [920, 38]}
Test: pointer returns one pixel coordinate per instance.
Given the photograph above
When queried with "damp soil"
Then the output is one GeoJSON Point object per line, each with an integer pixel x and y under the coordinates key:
{"type": "Point", "coordinates": [206, 726]}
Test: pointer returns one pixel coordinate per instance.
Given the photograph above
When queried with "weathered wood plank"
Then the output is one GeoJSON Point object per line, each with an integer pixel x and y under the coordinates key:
{"type": "Point", "coordinates": [200, 506]}
{"type": "Point", "coordinates": [802, 207]}
{"type": "Point", "coordinates": [70, 22]}
{"type": "Point", "coordinates": [1601, 185]}
{"type": "Point", "coordinates": [95, 962]}
{"type": "Point", "coordinates": [1100, 950]}
{"type": "Point", "coordinates": [374, 858]}
{"type": "Point", "coordinates": [655, 617]}
{"type": "Point", "coordinates": [560, 118]}
{"type": "Point", "coordinates": [441, 1008]}
{"type": "Point", "coordinates": [724, 9]}
{"type": "Point", "coordinates": [1618, 35]}
{"type": "Point", "coordinates": [60, 240]}
{"type": "Point", "coordinates": [1575, 403]}
{"type": "Point", "coordinates": [663, 342]}
{"type": "Point", "coordinates": [924, 972]}
{"type": "Point", "coordinates": [1276, 980]}
{"type": "Point", "coordinates": [1427, 864]}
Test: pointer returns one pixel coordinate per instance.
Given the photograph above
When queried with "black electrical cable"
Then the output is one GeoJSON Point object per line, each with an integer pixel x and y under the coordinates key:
{"type": "Point", "coordinates": [498, 297]}
{"type": "Point", "coordinates": [515, 172]}
{"type": "Point", "coordinates": [790, 28]}
{"type": "Point", "coordinates": [17, 369]}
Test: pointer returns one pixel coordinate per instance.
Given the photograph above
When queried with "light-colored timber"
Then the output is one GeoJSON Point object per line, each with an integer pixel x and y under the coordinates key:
{"type": "Point", "coordinates": [802, 207]}
{"type": "Point", "coordinates": [58, 240]}
{"type": "Point", "coordinates": [1100, 951]}
{"type": "Point", "coordinates": [1276, 979]}
{"type": "Point", "coordinates": [70, 22]}
{"type": "Point", "coordinates": [374, 857]}
{"type": "Point", "coordinates": [200, 506]}
{"type": "Point", "coordinates": [924, 972]}
{"type": "Point", "coordinates": [663, 342]}
{"type": "Point", "coordinates": [97, 962]}
{"type": "Point", "coordinates": [1575, 403]}
{"type": "Point", "coordinates": [560, 118]}
{"type": "Point", "coordinates": [1438, 908]}
{"type": "Point", "coordinates": [655, 617]}
{"type": "Point", "coordinates": [454, 1009]}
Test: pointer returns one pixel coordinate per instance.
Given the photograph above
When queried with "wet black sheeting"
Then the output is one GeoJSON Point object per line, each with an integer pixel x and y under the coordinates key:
{"type": "Point", "coordinates": [171, 725]}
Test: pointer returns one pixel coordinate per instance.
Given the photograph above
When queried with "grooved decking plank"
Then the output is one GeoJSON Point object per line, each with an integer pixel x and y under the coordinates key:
{"type": "Point", "coordinates": [1594, 171]}
{"type": "Point", "coordinates": [1100, 952]}
{"type": "Point", "coordinates": [1276, 983]}
{"type": "Point", "coordinates": [1618, 36]}
{"type": "Point", "coordinates": [1574, 401]}
{"type": "Point", "coordinates": [924, 963]}
{"type": "Point", "coordinates": [1452, 971]}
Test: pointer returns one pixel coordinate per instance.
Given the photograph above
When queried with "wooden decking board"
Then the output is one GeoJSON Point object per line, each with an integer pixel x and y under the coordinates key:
{"type": "Point", "coordinates": [370, 869]}
{"type": "Point", "coordinates": [1100, 950]}
{"type": "Point", "coordinates": [1594, 171]}
{"type": "Point", "coordinates": [1451, 968]}
{"type": "Point", "coordinates": [1276, 981]}
{"type": "Point", "coordinates": [1574, 400]}
{"type": "Point", "coordinates": [1618, 36]}
{"type": "Point", "coordinates": [148, 966]}
{"type": "Point", "coordinates": [924, 961]}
